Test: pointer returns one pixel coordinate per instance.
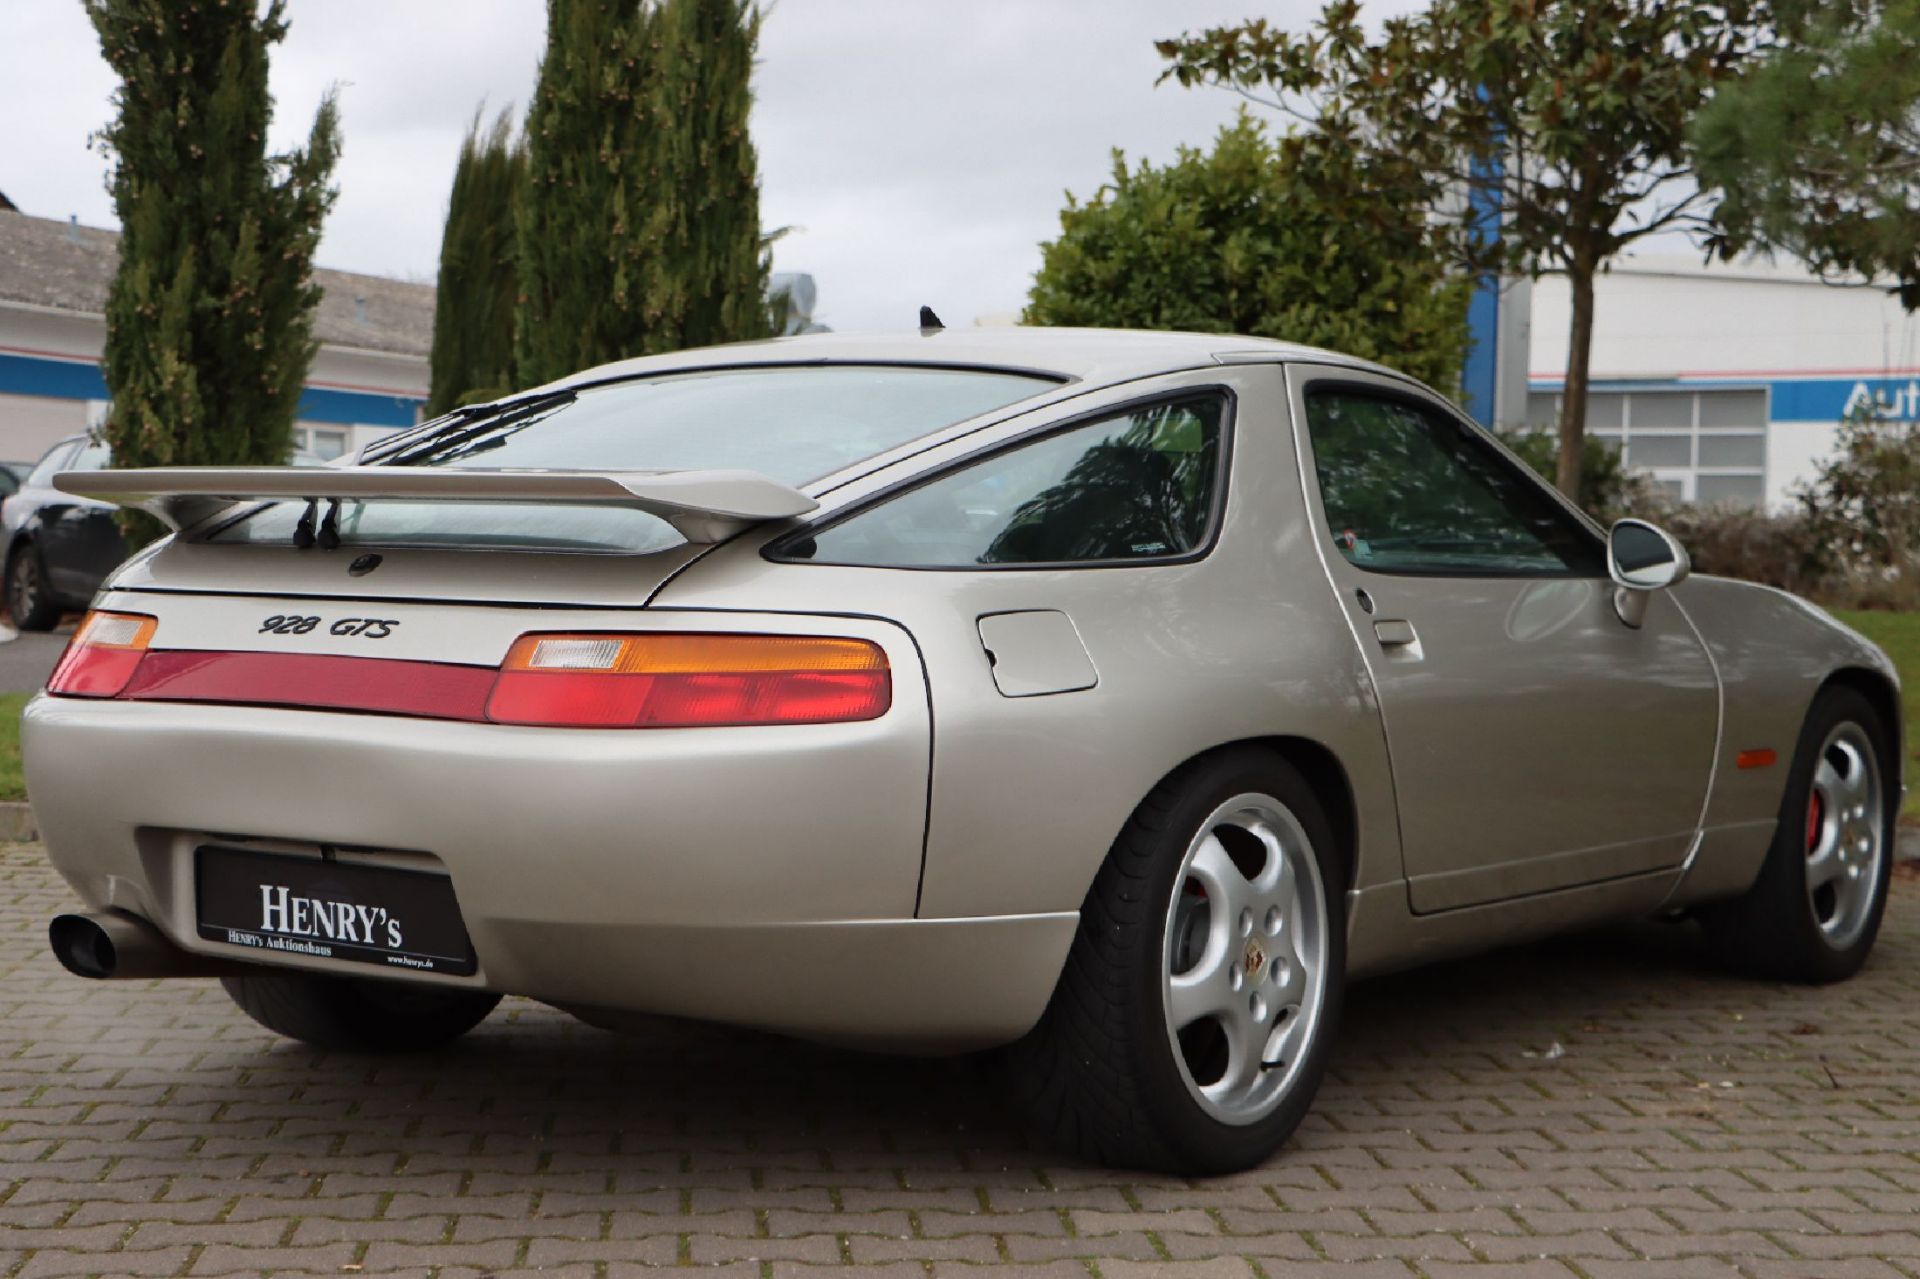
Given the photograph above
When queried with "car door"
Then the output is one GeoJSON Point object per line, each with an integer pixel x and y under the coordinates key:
{"type": "Point", "coordinates": [1537, 741]}
{"type": "Point", "coordinates": [80, 543]}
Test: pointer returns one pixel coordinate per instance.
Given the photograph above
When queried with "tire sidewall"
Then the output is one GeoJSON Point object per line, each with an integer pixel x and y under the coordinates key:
{"type": "Point", "coordinates": [15, 564]}
{"type": "Point", "coordinates": [27, 556]}
{"type": "Point", "coordinates": [1202, 1142]}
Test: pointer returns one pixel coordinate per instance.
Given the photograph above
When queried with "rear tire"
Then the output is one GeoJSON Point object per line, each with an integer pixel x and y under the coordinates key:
{"type": "Point", "coordinates": [1191, 1025]}
{"type": "Point", "coordinates": [30, 599]}
{"type": "Point", "coordinates": [348, 1014]}
{"type": "Point", "coordinates": [1815, 910]}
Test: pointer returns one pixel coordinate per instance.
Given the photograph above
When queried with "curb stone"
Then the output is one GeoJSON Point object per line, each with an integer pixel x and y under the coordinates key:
{"type": "Point", "coordinates": [16, 823]}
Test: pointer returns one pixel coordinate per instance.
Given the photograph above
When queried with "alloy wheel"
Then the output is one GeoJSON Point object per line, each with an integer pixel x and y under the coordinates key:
{"type": "Point", "coordinates": [1245, 958]}
{"type": "Point", "coordinates": [1846, 835]}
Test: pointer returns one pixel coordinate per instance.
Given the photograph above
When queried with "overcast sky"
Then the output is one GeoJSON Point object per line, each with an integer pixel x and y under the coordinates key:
{"type": "Point", "coordinates": [919, 149]}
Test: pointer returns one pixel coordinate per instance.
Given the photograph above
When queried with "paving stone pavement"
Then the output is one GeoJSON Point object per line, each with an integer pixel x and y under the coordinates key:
{"type": "Point", "coordinates": [1689, 1125]}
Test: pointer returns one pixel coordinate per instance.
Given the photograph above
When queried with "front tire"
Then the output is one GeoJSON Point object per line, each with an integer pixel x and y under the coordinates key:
{"type": "Point", "coordinates": [350, 1014]}
{"type": "Point", "coordinates": [1191, 1025]}
{"type": "Point", "coordinates": [1815, 910]}
{"type": "Point", "coordinates": [30, 599]}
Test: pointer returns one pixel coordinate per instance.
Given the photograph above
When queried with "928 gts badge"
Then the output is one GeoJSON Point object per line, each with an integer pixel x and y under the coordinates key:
{"type": "Point", "coordinates": [299, 624]}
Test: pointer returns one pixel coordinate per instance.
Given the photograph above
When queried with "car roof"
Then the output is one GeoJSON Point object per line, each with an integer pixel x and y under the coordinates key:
{"type": "Point", "coordinates": [1092, 356]}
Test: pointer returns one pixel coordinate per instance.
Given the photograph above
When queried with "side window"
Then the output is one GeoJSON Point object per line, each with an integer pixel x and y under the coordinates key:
{"type": "Point", "coordinates": [1139, 486]}
{"type": "Point", "coordinates": [93, 456]}
{"type": "Point", "coordinates": [52, 464]}
{"type": "Point", "coordinates": [1408, 489]}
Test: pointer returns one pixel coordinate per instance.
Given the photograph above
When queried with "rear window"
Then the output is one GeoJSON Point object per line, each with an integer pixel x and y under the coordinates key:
{"type": "Point", "coordinates": [793, 425]}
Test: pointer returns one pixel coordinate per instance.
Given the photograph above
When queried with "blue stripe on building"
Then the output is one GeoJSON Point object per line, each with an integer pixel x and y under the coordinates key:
{"type": "Point", "coordinates": [323, 404]}
{"type": "Point", "coordinates": [81, 380]}
{"type": "Point", "coordinates": [1830, 399]}
{"type": "Point", "coordinates": [55, 379]}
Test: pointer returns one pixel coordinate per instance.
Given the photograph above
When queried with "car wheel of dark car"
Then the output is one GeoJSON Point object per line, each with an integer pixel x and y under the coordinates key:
{"type": "Point", "coordinates": [30, 599]}
{"type": "Point", "coordinates": [1814, 911]}
{"type": "Point", "coordinates": [1190, 1028]}
{"type": "Point", "coordinates": [349, 1014]}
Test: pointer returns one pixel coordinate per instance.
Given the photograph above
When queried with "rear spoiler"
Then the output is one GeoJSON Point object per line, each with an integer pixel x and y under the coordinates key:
{"type": "Point", "coordinates": [704, 506]}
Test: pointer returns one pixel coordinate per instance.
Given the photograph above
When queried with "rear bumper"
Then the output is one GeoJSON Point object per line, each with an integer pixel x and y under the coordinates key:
{"type": "Point", "coordinates": [763, 877]}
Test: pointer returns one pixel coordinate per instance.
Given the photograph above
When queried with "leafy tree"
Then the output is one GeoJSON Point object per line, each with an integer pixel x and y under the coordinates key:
{"type": "Point", "coordinates": [1296, 238]}
{"type": "Point", "coordinates": [1816, 149]}
{"type": "Point", "coordinates": [472, 356]}
{"type": "Point", "coordinates": [210, 316]}
{"type": "Point", "coordinates": [638, 224]}
{"type": "Point", "coordinates": [1566, 122]}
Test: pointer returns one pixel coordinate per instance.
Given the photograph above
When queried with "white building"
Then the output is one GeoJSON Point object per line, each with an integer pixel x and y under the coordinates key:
{"type": "Point", "coordinates": [369, 377]}
{"type": "Point", "coordinates": [1725, 381]}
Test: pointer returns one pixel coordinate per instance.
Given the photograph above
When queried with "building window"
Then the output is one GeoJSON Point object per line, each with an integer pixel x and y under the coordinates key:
{"type": "Point", "coordinates": [1697, 446]}
{"type": "Point", "coordinates": [325, 443]}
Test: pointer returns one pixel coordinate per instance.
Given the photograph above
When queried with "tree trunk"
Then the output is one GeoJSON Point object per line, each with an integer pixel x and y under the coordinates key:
{"type": "Point", "coordinates": [1573, 406]}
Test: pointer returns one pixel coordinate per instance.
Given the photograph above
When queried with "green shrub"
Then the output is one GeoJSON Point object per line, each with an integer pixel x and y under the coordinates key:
{"type": "Point", "coordinates": [1863, 514]}
{"type": "Point", "coordinates": [1730, 540]}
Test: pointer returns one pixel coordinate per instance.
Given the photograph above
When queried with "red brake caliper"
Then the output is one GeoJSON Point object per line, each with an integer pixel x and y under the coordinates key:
{"type": "Point", "coordinates": [1814, 814]}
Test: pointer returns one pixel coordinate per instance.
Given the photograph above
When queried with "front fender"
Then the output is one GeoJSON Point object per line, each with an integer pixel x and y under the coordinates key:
{"type": "Point", "coordinates": [1774, 652]}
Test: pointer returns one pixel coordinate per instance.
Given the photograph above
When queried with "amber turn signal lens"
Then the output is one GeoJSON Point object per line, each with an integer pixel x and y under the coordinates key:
{"type": "Point", "coordinates": [689, 680]}
{"type": "Point", "coordinates": [103, 654]}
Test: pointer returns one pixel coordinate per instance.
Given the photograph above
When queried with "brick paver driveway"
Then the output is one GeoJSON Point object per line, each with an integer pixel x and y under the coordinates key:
{"type": "Point", "coordinates": [1686, 1124]}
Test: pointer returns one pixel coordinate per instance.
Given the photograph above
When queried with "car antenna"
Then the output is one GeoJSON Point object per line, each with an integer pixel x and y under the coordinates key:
{"type": "Point", "coordinates": [929, 322]}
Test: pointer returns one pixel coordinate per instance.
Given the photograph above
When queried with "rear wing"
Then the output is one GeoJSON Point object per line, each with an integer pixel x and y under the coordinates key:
{"type": "Point", "coordinates": [704, 506]}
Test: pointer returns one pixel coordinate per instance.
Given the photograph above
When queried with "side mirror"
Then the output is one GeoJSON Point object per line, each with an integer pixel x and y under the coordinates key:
{"type": "Point", "coordinates": [1642, 559]}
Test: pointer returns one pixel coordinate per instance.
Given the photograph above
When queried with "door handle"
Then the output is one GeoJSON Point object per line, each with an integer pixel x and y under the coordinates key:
{"type": "Point", "coordinates": [1394, 633]}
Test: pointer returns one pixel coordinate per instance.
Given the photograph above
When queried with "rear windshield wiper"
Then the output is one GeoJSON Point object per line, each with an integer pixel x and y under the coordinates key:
{"type": "Point", "coordinates": [453, 429]}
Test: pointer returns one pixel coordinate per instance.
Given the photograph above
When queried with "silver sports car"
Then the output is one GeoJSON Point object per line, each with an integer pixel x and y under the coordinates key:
{"type": "Point", "coordinates": [1113, 697]}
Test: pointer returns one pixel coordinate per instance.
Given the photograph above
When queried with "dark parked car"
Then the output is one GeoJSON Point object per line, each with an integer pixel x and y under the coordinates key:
{"type": "Point", "coordinates": [59, 547]}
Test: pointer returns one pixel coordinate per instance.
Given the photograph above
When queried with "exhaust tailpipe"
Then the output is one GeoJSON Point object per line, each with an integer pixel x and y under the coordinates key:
{"type": "Point", "coordinates": [111, 945]}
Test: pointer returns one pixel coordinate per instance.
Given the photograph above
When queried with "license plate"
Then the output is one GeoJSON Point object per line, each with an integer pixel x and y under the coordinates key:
{"type": "Point", "coordinates": [331, 910]}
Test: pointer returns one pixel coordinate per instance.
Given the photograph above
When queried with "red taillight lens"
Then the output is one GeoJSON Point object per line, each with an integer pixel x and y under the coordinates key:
{"type": "Point", "coordinates": [102, 655]}
{"type": "Point", "coordinates": [686, 681]}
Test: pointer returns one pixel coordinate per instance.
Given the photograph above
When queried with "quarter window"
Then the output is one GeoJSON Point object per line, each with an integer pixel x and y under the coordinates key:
{"type": "Point", "coordinates": [1139, 486]}
{"type": "Point", "coordinates": [1408, 489]}
{"type": "Point", "coordinates": [52, 464]}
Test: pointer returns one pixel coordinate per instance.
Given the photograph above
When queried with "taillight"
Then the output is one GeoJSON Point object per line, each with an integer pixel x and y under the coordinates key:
{"type": "Point", "coordinates": [689, 680]}
{"type": "Point", "coordinates": [102, 655]}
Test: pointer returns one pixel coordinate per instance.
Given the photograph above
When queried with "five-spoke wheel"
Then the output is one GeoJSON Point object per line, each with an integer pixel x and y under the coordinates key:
{"type": "Point", "coordinates": [1245, 958]}
{"type": "Point", "coordinates": [1846, 829]}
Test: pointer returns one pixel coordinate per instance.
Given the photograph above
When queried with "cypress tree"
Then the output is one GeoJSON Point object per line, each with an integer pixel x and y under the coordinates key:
{"type": "Point", "coordinates": [473, 310]}
{"type": "Point", "coordinates": [586, 149]}
{"type": "Point", "coordinates": [714, 256]}
{"type": "Point", "coordinates": [638, 222]}
{"type": "Point", "coordinates": [210, 317]}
